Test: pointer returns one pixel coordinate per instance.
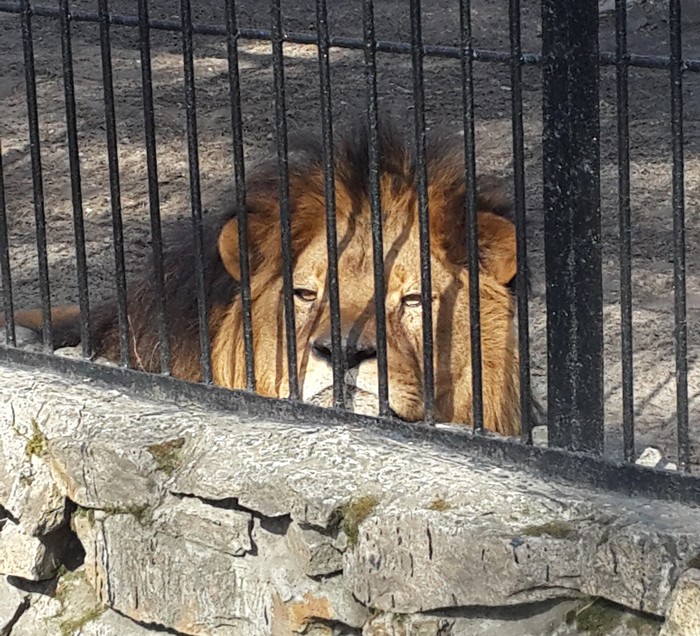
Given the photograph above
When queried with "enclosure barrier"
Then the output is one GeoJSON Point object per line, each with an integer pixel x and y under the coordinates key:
{"type": "Point", "coordinates": [570, 61]}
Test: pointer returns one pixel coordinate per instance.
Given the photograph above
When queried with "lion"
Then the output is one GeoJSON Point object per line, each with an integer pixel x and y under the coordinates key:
{"type": "Point", "coordinates": [447, 191]}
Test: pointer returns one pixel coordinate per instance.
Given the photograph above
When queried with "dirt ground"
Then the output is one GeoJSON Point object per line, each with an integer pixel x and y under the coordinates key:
{"type": "Point", "coordinates": [650, 156]}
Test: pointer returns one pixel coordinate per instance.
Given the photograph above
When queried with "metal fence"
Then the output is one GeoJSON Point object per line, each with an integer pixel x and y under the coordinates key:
{"type": "Point", "coordinates": [570, 60]}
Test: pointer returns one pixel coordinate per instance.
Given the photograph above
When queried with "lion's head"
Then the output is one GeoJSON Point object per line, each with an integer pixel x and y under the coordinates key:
{"type": "Point", "coordinates": [399, 204]}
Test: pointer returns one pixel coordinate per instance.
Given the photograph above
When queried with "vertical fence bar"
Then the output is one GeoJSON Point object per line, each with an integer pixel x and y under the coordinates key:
{"type": "Point", "coordinates": [417, 55]}
{"type": "Point", "coordinates": [76, 186]}
{"type": "Point", "coordinates": [679, 284]}
{"type": "Point", "coordinates": [232, 34]}
{"type": "Point", "coordinates": [338, 359]}
{"type": "Point", "coordinates": [114, 187]}
{"type": "Point", "coordinates": [623, 166]}
{"type": "Point", "coordinates": [37, 178]}
{"type": "Point", "coordinates": [153, 191]}
{"type": "Point", "coordinates": [572, 224]}
{"type": "Point", "coordinates": [195, 193]}
{"type": "Point", "coordinates": [7, 304]}
{"type": "Point", "coordinates": [285, 211]}
{"type": "Point", "coordinates": [466, 59]}
{"type": "Point", "coordinates": [516, 62]}
{"type": "Point", "coordinates": [370, 47]}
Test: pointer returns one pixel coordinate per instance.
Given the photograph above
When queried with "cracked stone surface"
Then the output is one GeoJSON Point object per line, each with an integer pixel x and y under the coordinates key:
{"type": "Point", "coordinates": [210, 523]}
{"type": "Point", "coordinates": [13, 603]}
{"type": "Point", "coordinates": [683, 617]}
{"type": "Point", "coordinates": [26, 556]}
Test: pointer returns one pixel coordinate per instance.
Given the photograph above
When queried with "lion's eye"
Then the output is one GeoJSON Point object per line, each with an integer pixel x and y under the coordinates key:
{"type": "Point", "coordinates": [411, 300]}
{"type": "Point", "coordinates": [307, 295]}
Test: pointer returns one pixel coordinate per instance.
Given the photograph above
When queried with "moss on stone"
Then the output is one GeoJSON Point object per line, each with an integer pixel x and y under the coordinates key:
{"type": "Point", "coordinates": [73, 625]}
{"type": "Point", "coordinates": [168, 454]}
{"type": "Point", "coordinates": [598, 618]}
{"type": "Point", "coordinates": [140, 512]}
{"type": "Point", "coordinates": [85, 513]}
{"type": "Point", "coordinates": [66, 578]}
{"type": "Point", "coordinates": [556, 529]}
{"type": "Point", "coordinates": [440, 504]}
{"type": "Point", "coordinates": [353, 513]}
{"type": "Point", "coordinates": [643, 625]}
{"type": "Point", "coordinates": [36, 443]}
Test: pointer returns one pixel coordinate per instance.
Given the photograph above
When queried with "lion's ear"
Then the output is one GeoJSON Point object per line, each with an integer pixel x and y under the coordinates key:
{"type": "Point", "coordinates": [497, 247]}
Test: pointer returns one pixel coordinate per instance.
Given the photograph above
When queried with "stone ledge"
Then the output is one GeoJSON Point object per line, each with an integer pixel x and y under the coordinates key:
{"type": "Point", "coordinates": [209, 523]}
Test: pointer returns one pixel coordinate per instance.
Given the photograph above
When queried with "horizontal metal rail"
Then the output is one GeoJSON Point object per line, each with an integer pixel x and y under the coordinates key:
{"type": "Point", "coordinates": [607, 58]}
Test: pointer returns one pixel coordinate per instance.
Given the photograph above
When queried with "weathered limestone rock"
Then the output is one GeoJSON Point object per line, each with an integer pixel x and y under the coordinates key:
{"type": "Point", "coordinates": [63, 608]}
{"type": "Point", "coordinates": [43, 616]}
{"type": "Point", "coordinates": [119, 482]}
{"type": "Point", "coordinates": [27, 490]}
{"type": "Point", "coordinates": [638, 557]}
{"type": "Point", "coordinates": [211, 523]}
{"type": "Point", "coordinates": [683, 616]}
{"type": "Point", "coordinates": [195, 588]}
{"type": "Point", "coordinates": [25, 556]}
{"type": "Point", "coordinates": [423, 560]}
{"type": "Point", "coordinates": [13, 603]}
{"type": "Point", "coordinates": [220, 529]}
{"type": "Point", "coordinates": [317, 554]}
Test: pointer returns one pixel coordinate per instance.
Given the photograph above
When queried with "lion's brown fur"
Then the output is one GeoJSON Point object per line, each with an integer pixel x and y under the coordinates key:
{"type": "Point", "coordinates": [446, 195]}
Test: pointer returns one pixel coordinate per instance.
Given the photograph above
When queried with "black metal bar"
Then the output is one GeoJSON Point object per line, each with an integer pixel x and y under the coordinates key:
{"type": "Point", "coordinates": [232, 37]}
{"type": "Point", "coordinates": [376, 204]}
{"type": "Point", "coordinates": [195, 193]}
{"type": "Point", "coordinates": [520, 221]}
{"type": "Point", "coordinates": [623, 166]}
{"type": "Point", "coordinates": [571, 167]}
{"type": "Point", "coordinates": [383, 46]}
{"type": "Point", "coordinates": [558, 465]}
{"type": "Point", "coordinates": [114, 187]}
{"type": "Point", "coordinates": [7, 303]}
{"type": "Point", "coordinates": [76, 187]}
{"type": "Point", "coordinates": [37, 179]}
{"type": "Point", "coordinates": [338, 360]}
{"type": "Point", "coordinates": [153, 191]}
{"type": "Point", "coordinates": [679, 283]}
{"type": "Point", "coordinates": [471, 212]}
{"type": "Point", "coordinates": [426, 292]}
{"type": "Point", "coordinates": [285, 210]}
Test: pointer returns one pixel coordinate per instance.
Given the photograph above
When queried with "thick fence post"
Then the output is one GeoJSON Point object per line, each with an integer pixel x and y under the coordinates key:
{"type": "Point", "coordinates": [571, 167]}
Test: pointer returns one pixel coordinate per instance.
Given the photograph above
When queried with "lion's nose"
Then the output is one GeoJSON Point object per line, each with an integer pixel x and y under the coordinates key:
{"type": "Point", "coordinates": [356, 351]}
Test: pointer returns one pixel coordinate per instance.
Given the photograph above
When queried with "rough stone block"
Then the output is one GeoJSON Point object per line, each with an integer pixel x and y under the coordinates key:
{"type": "Point", "coordinates": [632, 565]}
{"type": "Point", "coordinates": [425, 529]}
{"type": "Point", "coordinates": [13, 603]}
{"type": "Point", "coordinates": [155, 575]}
{"type": "Point", "coordinates": [227, 531]}
{"type": "Point", "coordinates": [117, 481]}
{"type": "Point", "coordinates": [35, 501]}
{"type": "Point", "coordinates": [27, 490]}
{"type": "Point", "coordinates": [683, 615]}
{"type": "Point", "coordinates": [25, 556]}
{"type": "Point", "coordinates": [421, 560]}
{"type": "Point", "coordinates": [316, 553]}
{"type": "Point", "coordinates": [43, 616]}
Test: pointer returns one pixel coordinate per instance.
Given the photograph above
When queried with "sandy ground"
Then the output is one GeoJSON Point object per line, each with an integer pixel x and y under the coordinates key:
{"type": "Point", "coordinates": [650, 156]}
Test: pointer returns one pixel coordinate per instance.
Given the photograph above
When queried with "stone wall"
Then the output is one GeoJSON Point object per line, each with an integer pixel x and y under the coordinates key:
{"type": "Point", "coordinates": [123, 516]}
